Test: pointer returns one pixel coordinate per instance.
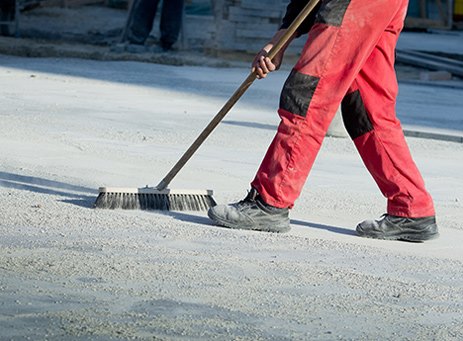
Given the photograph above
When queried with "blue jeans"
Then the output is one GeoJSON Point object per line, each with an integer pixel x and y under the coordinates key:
{"type": "Point", "coordinates": [141, 17]}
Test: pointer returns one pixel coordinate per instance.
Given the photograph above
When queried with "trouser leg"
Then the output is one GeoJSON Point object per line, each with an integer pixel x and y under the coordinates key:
{"type": "Point", "coordinates": [171, 21]}
{"type": "Point", "coordinates": [7, 14]}
{"type": "Point", "coordinates": [370, 119]}
{"type": "Point", "coordinates": [140, 20]}
{"type": "Point", "coordinates": [342, 39]}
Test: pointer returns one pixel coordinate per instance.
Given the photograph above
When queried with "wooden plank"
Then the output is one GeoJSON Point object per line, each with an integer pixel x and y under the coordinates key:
{"type": "Point", "coordinates": [68, 3]}
{"type": "Point", "coordinates": [430, 62]}
{"type": "Point", "coordinates": [237, 12]}
{"type": "Point", "coordinates": [423, 11]}
{"type": "Point", "coordinates": [258, 27]}
{"type": "Point", "coordinates": [77, 3]}
{"type": "Point", "coordinates": [411, 22]}
{"type": "Point", "coordinates": [255, 34]}
{"type": "Point", "coordinates": [250, 47]}
{"type": "Point", "coordinates": [440, 8]}
{"type": "Point", "coordinates": [51, 3]}
{"type": "Point", "coordinates": [436, 58]}
{"type": "Point", "coordinates": [274, 4]}
{"type": "Point", "coordinates": [435, 136]}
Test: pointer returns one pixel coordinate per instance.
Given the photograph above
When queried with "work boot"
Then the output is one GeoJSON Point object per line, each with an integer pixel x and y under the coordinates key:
{"type": "Point", "coordinates": [252, 213]}
{"type": "Point", "coordinates": [399, 228]}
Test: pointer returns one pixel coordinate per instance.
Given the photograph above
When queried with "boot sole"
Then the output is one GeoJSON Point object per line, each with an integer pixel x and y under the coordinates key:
{"type": "Point", "coordinates": [409, 237]}
{"type": "Point", "coordinates": [262, 228]}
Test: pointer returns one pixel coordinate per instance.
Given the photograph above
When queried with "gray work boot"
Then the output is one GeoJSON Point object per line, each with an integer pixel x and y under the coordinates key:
{"type": "Point", "coordinates": [251, 214]}
{"type": "Point", "coordinates": [399, 228]}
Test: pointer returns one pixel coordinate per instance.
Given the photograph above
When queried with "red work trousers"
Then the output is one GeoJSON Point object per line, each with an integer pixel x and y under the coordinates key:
{"type": "Point", "coordinates": [348, 60]}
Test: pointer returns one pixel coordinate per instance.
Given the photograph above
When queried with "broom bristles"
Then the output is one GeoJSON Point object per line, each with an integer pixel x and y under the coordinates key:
{"type": "Point", "coordinates": [153, 199]}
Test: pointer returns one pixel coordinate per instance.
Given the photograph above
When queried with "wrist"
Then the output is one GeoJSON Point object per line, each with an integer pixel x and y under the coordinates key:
{"type": "Point", "coordinates": [276, 37]}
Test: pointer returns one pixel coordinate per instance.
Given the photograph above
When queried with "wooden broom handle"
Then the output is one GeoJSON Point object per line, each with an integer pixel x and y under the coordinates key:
{"type": "Point", "coordinates": [236, 96]}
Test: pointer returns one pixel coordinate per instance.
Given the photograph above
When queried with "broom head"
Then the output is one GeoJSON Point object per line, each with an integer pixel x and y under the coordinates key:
{"type": "Point", "coordinates": [150, 198]}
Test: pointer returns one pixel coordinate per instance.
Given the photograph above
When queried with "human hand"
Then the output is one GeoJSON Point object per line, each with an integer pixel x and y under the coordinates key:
{"type": "Point", "coordinates": [262, 65]}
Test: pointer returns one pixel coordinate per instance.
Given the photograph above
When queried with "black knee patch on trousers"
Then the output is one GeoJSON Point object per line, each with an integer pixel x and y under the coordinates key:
{"type": "Point", "coordinates": [298, 92]}
{"type": "Point", "coordinates": [355, 115]}
{"type": "Point", "coordinates": [332, 12]}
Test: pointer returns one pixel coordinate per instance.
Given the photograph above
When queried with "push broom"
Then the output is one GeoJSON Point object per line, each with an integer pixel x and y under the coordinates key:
{"type": "Point", "coordinates": [163, 198]}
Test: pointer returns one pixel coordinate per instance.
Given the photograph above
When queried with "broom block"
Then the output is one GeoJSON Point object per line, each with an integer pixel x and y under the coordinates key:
{"type": "Point", "coordinates": [153, 190]}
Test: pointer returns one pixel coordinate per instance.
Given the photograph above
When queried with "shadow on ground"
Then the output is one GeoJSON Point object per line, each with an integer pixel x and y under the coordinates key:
{"type": "Point", "coordinates": [192, 218]}
{"type": "Point", "coordinates": [335, 229]}
{"type": "Point", "coordinates": [78, 195]}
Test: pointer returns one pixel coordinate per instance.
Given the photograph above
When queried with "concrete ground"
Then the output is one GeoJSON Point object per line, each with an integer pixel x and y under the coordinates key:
{"type": "Point", "coordinates": [71, 272]}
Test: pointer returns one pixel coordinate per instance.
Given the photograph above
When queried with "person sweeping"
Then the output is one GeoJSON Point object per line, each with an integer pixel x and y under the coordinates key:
{"type": "Point", "coordinates": [348, 60]}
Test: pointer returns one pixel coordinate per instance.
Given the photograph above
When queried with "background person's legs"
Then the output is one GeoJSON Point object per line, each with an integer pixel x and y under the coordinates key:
{"type": "Point", "coordinates": [140, 21]}
{"type": "Point", "coordinates": [7, 13]}
{"type": "Point", "coordinates": [171, 22]}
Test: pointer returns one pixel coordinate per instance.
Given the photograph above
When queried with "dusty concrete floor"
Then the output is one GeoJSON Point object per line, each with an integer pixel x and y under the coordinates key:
{"type": "Point", "coordinates": [70, 272]}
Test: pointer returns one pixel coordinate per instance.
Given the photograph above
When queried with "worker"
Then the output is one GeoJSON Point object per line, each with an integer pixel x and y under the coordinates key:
{"type": "Point", "coordinates": [348, 60]}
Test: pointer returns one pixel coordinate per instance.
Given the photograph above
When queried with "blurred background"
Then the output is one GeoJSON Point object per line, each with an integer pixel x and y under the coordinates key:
{"type": "Point", "coordinates": [224, 25]}
{"type": "Point", "coordinates": [214, 33]}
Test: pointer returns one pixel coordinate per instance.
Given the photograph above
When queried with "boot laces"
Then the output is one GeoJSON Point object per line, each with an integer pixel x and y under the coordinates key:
{"type": "Point", "coordinates": [250, 198]}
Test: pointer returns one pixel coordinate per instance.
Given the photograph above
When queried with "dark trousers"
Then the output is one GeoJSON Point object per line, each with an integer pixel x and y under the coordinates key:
{"type": "Point", "coordinates": [141, 17]}
{"type": "Point", "coordinates": [7, 13]}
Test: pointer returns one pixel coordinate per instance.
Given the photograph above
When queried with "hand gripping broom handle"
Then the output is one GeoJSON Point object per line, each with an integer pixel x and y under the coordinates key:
{"type": "Point", "coordinates": [235, 97]}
